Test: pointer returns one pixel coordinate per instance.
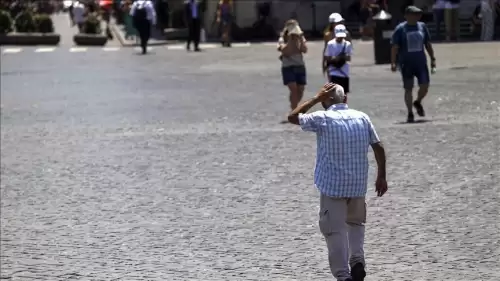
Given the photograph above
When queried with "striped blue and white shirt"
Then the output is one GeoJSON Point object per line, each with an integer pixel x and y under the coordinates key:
{"type": "Point", "coordinates": [343, 139]}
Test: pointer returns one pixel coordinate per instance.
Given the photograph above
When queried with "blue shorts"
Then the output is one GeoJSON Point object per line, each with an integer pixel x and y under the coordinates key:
{"type": "Point", "coordinates": [296, 73]}
{"type": "Point", "coordinates": [411, 71]}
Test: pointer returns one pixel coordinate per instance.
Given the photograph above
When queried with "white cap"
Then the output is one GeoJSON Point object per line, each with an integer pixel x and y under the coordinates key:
{"type": "Point", "coordinates": [340, 31]}
{"type": "Point", "coordinates": [335, 18]}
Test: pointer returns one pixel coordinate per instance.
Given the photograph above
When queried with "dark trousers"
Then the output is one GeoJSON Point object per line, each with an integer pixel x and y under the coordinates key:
{"type": "Point", "coordinates": [439, 20]}
{"type": "Point", "coordinates": [194, 28]}
{"type": "Point", "coordinates": [144, 30]}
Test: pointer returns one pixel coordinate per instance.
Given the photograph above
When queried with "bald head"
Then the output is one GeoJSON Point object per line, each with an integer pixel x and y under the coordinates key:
{"type": "Point", "coordinates": [336, 94]}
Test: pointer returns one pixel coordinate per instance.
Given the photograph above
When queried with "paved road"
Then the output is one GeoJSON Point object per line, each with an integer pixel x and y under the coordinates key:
{"type": "Point", "coordinates": [174, 166]}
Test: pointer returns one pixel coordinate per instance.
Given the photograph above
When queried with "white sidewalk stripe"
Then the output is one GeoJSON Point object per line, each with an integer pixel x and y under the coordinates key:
{"type": "Point", "coordinates": [208, 46]}
{"type": "Point", "coordinates": [77, 50]}
{"type": "Point", "coordinates": [11, 50]}
{"type": "Point", "coordinates": [274, 44]}
{"type": "Point", "coordinates": [110, 49]}
{"type": "Point", "coordinates": [239, 45]}
{"type": "Point", "coordinates": [44, 50]}
{"type": "Point", "coordinates": [176, 47]}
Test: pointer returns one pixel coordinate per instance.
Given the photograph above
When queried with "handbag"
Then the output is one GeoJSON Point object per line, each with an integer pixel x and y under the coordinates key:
{"type": "Point", "coordinates": [340, 59]}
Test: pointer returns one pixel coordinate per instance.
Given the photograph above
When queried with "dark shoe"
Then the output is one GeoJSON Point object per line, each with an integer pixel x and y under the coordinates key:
{"type": "Point", "coordinates": [358, 272]}
{"type": "Point", "coordinates": [420, 109]}
{"type": "Point", "coordinates": [197, 50]}
{"type": "Point", "coordinates": [411, 118]}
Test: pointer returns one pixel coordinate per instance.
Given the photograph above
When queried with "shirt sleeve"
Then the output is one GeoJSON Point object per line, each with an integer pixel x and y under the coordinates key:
{"type": "Point", "coordinates": [348, 49]}
{"type": "Point", "coordinates": [311, 122]}
{"type": "Point", "coordinates": [427, 34]}
{"type": "Point", "coordinates": [152, 13]}
{"type": "Point", "coordinates": [396, 36]}
{"type": "Point", "coordinates": [328, 50]}
{"type": "Point", "coordinates": [132, 9]}
{"type": "Point", "coordinates": [372, 133]}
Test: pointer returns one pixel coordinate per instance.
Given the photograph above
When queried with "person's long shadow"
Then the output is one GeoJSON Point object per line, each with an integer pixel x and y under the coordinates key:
{"type": "Point", "coordinates": [418, 121]}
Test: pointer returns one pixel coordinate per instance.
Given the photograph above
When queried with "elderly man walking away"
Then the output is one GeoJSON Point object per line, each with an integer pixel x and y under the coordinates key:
{"type": "Point", "coordinates": [144, 16]}
{"type": "Point", "coordinates": [341, 175]}
{"type": "Point", "coordinates": [409, 42]}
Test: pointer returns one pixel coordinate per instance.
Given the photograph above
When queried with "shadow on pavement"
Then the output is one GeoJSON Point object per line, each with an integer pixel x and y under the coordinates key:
{"type": "Point", "coordinates": [419, 121]}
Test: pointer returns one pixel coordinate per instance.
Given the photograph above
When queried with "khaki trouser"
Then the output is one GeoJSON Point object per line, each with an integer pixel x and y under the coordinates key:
{"type": "Point", "coordinates": [342, 223]}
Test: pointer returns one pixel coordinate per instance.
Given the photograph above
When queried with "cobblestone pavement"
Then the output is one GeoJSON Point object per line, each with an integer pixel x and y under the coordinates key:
{"type": "Point", "coordinates": [174, 166]}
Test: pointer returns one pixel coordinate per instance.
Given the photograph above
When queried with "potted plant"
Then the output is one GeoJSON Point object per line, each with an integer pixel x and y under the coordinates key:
{"type": "Point", "coordinates": [92, 34]}
{"type": "Point", "coordinates": [5, 22]}
{"type": "Point", "coordinates": [25, 22]}
{"type": "Point", "coordinates": [43, 23]}
{"type": "Point", "coordinates": [30, 29]}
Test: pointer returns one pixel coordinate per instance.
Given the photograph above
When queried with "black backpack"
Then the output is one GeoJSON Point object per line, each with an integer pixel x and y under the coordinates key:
{"type": "Point", "coordinates": [140, 14]}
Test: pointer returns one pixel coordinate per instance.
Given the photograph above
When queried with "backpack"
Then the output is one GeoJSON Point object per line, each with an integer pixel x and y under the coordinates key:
{"type": "Point", "coordinates": [140, 14]}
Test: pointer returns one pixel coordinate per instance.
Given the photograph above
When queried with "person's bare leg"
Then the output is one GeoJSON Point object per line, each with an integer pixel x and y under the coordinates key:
{"type": "Point", "coordinates": [409, 104]}
{"type": "Point", "coordinates": [300, 93]}
{"type": "Point", "coordinates": [294, 100]}
{"type": "Point", "coordinates": [422, 92]}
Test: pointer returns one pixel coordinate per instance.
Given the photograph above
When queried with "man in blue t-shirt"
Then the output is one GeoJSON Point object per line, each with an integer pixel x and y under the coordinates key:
{"type": "Point", "coordinates": [409, 42]}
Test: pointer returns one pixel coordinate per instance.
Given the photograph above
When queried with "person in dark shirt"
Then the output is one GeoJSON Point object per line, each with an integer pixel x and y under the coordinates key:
{"type": "Point", "coordinates": [410, 40]}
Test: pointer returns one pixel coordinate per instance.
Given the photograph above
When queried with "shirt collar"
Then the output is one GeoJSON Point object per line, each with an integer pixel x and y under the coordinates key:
{"type": "Point", "coordinates": [338, 106]}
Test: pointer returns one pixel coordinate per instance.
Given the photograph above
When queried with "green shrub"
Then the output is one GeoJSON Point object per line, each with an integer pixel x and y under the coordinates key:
{"type": "Point", "coordinates": [92, 25]}
{"type": "Point", "coordinates": [5, 22]}
{"type": "Point", "coordinates": [44, 24]}
{"type": "Point", "coordinates": [24, 22]}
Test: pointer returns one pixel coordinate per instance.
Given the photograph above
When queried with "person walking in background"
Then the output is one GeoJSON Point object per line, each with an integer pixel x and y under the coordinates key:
{"type": "Point", "coordinates": [162, 14]}
{"type": "Point", "coordinates": [438, 9]}
{"type": "Point", "coordinates": [366, 14]}
{"type": "Point", "coordinates": [193, 10]}
{"type": "Point", "coordinates": [292, 46]}
{"type": "Point", "coordinates": [130, 31]}
{"type": "Point", "coordinates": [409, 42]}
{"type": "Point", "coordinates": [451, 19]}
{"type": "Point", "coordinates": [343, 137]}
{"type": "Point", "coordinates": [488, 14]}
{"type": "Point", "coordinates": [477, 21]}
{"type": "Point", "coordinates": [225, 20]}
{"type": "Point", "coordinates": [328, 34]}
{"type": "Point", "coordinates": [144, 16]}
{"type": "Point", "coordinates": [337, 56]}
{"type": "Point", "coordinates": [77, 11]}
